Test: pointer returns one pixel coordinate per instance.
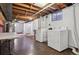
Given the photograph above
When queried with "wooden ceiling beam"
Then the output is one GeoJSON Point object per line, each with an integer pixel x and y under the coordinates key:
{"type": "Point", "coordinates": [33, 5]}
{"type": "Point", "coordinates": [23, 17]}
{"type": "Point", "coordinates": [55, 6]}
{"type": "Point", "coordinates": [17, 13]}
{"type": "Point", "coordinates": [19, 8]}
{"type": "Point", "coordinates": [61, 5]}
{"type": "Point", "coordinates": [52, 8]}
{"type": "Point", "coordinates": [45, 12]}
{"type": "Point", "coordinates": [26, 6]}
{"type": "Point", "coordinates": [22, 12]}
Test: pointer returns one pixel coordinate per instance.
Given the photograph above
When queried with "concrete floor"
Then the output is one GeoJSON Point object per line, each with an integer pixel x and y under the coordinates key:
{"type": "Point", "coordinates": [27, 45]}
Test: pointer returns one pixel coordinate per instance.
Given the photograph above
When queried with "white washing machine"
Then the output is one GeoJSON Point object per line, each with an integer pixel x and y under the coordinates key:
{"type": "Point", "coordinates": [58, 39]}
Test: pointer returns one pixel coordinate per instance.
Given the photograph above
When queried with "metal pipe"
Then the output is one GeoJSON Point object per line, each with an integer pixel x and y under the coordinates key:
{"type": "Point", "coordinates": [43, 9]}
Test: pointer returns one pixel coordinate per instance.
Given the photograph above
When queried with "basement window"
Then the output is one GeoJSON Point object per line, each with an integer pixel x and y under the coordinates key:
{"type": "Point", "coordinates": [57, 16]}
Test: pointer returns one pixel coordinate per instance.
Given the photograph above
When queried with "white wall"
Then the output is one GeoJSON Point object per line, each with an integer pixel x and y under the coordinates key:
{"type": "Point", "coordinates": [35, 24]}
{"type": "Point", "coordinates": [22, 27]}
{"type": "Point", "coordinates": [77, 23]}
{"type": "Point", "coordinates": [41, 22]}
{"type": "Point", "coordinates": [49, 21]}
{"type": "Point", "coordinates": [66, 22]}
{"type": "Point", "coordinates": [72, 22]}
{"type": "Point", "coordinates": [46, 18]}
{"type": "Point", "coordinates": [41, 32]}
{"type": "Point", "coordinates": [77, 16]}
{"type": "Point", "coordinates": [19, 27]}
{"type": "Point", "coordinates": [69, 22]}
{"type": "Point", "coordinates": [28, 28]}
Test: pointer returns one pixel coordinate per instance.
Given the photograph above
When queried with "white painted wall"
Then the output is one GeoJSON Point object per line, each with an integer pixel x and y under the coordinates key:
{"type": "Point", "coordinates": [19, 27]}
{"type": "Point", "coordinates": [77, 23]}
{"type": "Point", "coordinates": [28, 28]}
{"type": "Point", "coordinates": [42, 22]}
{"type": "Point", "coordinates": [49, 21]}
{"type": "Point", "coordinates": [41, 32]}
{"type": "Point", "coordinates": [71, 20]}
{"type": "Point", "coordinates": [22, 27]}
{"type": "Point", "coordinates": [68, 17]}
{"type": "Point", "coordinates": [77, 16]}
{"type": "Point", "coordinates": [66, 22]}
{"type": "Point", "coordinates": [35, 24]}
{"type": "Point", "coordinates": [46, 18]}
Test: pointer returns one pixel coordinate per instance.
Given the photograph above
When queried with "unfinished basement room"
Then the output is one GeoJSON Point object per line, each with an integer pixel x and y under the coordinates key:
{"type": "Point", "coordinates": [39, 29]}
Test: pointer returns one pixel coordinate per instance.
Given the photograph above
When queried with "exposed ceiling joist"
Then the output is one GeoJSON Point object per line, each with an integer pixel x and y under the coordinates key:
{"type": "Point", "coordinates": [28, 11]}
{"type": "Point", "coordinates": [26, 6]}
{"type": "Point", "coordinates": [23, 17]}
{"type": "Point", "coordinates": [19, 8]}
{"type": "Point", "coordinates": [19, 12]}
{"type": "Point", "coordinates": [33, 5]}
{"type": "Point", "coordinates": [23, 10]}
{"type": "Point", "coordinates": [61, 5]}
{"type": "Point", "coordinates": [43, 9]}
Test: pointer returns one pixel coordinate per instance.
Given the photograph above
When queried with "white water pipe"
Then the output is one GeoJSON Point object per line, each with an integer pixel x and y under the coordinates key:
{"type": "Point", "coordinates": [74, 51]}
